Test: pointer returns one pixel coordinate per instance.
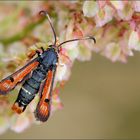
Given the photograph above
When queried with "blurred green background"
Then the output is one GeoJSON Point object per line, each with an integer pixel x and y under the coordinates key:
{"type": "Point", "coordinates": [101, 100]}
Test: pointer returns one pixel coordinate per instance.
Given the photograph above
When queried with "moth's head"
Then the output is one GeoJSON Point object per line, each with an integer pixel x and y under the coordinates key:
{"type": "Point", "coordinates": [55, 48]}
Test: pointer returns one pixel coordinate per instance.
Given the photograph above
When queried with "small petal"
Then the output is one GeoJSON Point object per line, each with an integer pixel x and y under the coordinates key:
{"type": "Point", "coordinates": [112, 51]}
{"type": "Point", "coordinates": [78, 32]}
{"type": "Point", "coordinates": [71, 45]}
{"type": "Point", "coordinates": [137, 6]}
{"type": "Point", "coordinates": [62, 72]}
{"type": "Point", "coordinates": [134, 41]}
{"type": "Point", "coordinates": [104, 16]}
{"type": "Point", "coordinates": [126, 13]}
{"type": "Point", "coordinates": [84, 53]}
{"type": "Point", "coordinates": [90, 8]}
{"type": "Point", "coordinates": [133, 25]}
{"type": "Point", "coordinates": [69, 35]}
{"type": "Point", "coordinates": [19, 123]}
{"type": "Point", "coordinates": [56, 103]}
{"type": "Point", "coordinates": [101, 3]}
{"type": "Point", "coordinates": [73, 54]}
{"type": "Point", "coordinates": [119, 5]}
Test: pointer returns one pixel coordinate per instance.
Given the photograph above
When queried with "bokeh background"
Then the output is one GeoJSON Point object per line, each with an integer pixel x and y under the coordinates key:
{"type": "Point", "coordinates": [101, 96]}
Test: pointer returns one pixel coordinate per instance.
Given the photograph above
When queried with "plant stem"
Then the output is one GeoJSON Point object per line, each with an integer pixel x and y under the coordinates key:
{"type": "Point", "coordinates": [22, 34]}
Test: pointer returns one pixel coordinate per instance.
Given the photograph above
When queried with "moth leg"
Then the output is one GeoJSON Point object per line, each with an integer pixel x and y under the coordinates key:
{"type": "Point", "coordinates": [40, 51]}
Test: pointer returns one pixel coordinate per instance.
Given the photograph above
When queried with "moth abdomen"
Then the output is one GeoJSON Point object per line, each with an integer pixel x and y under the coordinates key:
{"type": "Point", "coordinates": [29, 89]}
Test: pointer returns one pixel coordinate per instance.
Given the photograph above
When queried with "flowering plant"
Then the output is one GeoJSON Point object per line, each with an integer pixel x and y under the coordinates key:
{"type": "Point", "coordinates": [114, 24]}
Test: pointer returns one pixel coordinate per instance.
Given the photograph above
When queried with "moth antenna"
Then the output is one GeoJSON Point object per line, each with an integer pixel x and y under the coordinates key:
{"type": "Point", "coordinates": [84, 38]}
{"type": "Point", "coordinates": [47, 15]}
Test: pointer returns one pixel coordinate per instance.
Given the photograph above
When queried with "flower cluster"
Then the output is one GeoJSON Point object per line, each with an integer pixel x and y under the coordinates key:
{"type": "Point", "coordinates": [114, 24]}
{"type": "Point", "coordinates": [118, 24]}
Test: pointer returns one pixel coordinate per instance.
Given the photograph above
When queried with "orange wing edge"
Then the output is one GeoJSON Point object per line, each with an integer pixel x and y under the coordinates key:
{"type": "Point", "coordinates": [42, 112]}
{"type": "Point", "coordinates": [10, 82]}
